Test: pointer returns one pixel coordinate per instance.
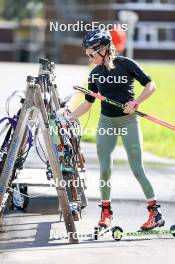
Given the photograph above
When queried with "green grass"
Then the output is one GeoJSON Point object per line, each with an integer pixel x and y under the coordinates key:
{"type": "Point", "coordinates": [161, 104]}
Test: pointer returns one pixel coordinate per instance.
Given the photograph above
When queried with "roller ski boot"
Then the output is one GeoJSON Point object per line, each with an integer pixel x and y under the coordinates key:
{"type": "Point", "coordinates": [105, 223]}
{"type": "Point", "coordinates": [155, 218]}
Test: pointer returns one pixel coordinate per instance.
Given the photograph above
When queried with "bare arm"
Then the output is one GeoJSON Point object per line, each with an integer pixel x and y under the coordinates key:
{"type": "Point", "coordinates": [80, 110]}
{"type": "Point", "coordinates": [148, 90]}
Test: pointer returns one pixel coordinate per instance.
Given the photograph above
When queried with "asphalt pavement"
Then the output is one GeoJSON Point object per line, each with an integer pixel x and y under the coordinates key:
{"type": "Point", "coordinates": [37, 236]}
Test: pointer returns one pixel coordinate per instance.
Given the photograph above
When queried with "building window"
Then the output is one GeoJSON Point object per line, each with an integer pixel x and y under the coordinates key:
{"type": "Point", "coordinates": [148, 37]}
{"type": "Point", "coordinates": [152, 35]}
{"type": "Point", "coordinates": [173, 34]}
{"type": "Point", "coordinates": [164, 1]}
{"type": "Point", "coordinates": [162, 34]}
{"type": "Point", "coordinates": [148, 1]}
{"type": "Point", "coordinates": [136, 32]}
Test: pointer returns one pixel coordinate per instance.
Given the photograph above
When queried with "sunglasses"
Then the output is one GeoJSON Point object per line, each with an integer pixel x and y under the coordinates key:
{"type": "Point", "coordinates": [92, 54]}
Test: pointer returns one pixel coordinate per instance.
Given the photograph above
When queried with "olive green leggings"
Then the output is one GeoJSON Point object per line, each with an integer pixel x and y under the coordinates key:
{"type": "Point", "coordinates": [107, 134]}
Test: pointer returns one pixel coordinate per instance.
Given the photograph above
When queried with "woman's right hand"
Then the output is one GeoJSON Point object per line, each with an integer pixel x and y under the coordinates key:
{"type": "Point", "coordinates": [80, 110]}
{"type": "Point", "coordinates": [71, 117]}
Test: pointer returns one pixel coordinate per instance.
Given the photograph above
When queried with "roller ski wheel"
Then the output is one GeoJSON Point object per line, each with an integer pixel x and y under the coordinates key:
{"type": "Point", "coordinates": [117, 233]}
{"type": "Point", "coordinates": [96, 232]}
{"type": "Point", "coordinates": [172, 229]}
{"type": "Point", "coordinates": [100, 231]}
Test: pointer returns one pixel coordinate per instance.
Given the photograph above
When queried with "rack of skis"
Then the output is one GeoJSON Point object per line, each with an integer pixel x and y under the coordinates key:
{"type": "Point", "coordinates": [42, 124]}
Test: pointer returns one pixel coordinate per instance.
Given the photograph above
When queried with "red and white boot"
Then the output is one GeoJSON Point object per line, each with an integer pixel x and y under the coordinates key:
{"type": "Point", "coordinates": [106, 215]}
{"type": "Point", "coordinates": [155, 218]}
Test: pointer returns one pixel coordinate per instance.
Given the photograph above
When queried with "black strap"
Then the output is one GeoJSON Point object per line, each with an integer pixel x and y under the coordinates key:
{"type": "Point", "coordinates": [106, 207]}
{"type": "Point", "coordinates": [155, 206]}
{"type": "Point", "coordinates": [7, 137]}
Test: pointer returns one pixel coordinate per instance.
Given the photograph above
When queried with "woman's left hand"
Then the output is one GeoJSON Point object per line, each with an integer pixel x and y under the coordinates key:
{"type": "Point", "coordinates": [130, 107]}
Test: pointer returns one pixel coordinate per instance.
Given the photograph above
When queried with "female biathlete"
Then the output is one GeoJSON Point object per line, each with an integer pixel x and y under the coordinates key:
{"type": "Point", "coordinates": [113, 77]}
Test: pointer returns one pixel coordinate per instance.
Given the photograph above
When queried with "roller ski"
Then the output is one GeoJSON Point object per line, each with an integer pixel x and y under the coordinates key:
{"type": "Point", "coordinates": [118, 233]}
{"type": "Point", "coordinates": [105, 223]}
